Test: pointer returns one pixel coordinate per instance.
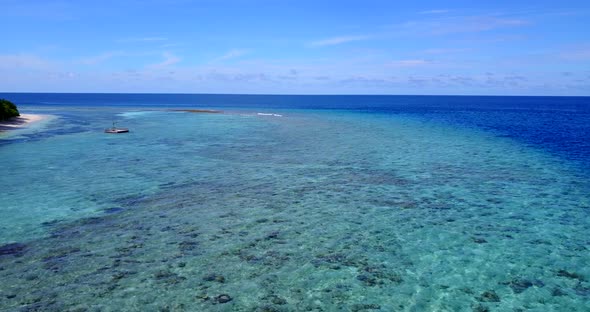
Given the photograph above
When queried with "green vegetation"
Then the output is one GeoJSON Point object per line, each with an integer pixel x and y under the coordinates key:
{"type": "Point", "coordinates": [7, 110]}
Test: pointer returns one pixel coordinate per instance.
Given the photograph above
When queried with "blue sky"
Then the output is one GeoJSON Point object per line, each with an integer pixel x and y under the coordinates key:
{"type": "Point", "coordinates": [296, 47]}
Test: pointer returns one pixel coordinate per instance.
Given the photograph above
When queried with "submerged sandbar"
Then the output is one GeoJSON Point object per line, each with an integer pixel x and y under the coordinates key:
{"type": "Point", "coordinates": [203, 111]}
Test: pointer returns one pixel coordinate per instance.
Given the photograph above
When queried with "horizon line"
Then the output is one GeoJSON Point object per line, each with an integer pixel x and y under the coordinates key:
{"type": "Point", "coordinates": [290, 94]}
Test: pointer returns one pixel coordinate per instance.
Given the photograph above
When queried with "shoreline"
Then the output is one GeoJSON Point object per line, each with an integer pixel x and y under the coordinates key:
{"type": "Point", "coordinates": [22, 121]}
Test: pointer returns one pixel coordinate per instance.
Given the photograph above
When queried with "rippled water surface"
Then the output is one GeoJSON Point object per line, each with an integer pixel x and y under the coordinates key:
{"type": "Point", "coordinates": [312, 210]}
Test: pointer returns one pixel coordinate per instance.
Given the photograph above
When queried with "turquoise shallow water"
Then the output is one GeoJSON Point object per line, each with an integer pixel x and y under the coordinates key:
{"type": "Point", "coordinates": [311, 211]}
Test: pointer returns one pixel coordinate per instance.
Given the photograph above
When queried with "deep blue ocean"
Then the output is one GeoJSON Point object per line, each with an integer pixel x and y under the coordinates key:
{"type": "Point", "coordinates": [296, 203]}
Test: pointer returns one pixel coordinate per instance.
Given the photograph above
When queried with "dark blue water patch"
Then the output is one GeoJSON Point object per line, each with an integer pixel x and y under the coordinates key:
{"type": "Point", "coordinates": [113, 210]}
{"type": "Point", "coordinates": [563, 133]}
{"type": "Point", "coordinates": [171, 184]}
{"type": "Point", "coordinates": [558, 125]}
{"type": "Point", "coordinates": [40, 135]}
{"type": "Point", "coordinates": [52, 223]}
{"type": "Point", "coordinates": [13, 249]}
{"type": "Point", "coordinates": [131, 199]}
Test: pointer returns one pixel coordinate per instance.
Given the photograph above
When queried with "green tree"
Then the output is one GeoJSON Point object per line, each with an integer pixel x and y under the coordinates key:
{"type": "Point", "coordinates": [8, 110]}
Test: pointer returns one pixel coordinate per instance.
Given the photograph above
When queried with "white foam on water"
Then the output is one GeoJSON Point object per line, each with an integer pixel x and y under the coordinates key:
{"type": "Point", "coordinates": [134, 114]}
{"type": "Point", "coordinates": [269, 114]}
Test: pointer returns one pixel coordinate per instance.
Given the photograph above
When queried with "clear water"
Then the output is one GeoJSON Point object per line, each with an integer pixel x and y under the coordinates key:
{"type": "Point", "coordinates": [383, 207]}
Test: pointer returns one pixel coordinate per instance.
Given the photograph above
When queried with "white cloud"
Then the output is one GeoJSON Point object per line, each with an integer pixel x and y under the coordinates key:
{"type": "Point", "coordinates": [169, 59]}
{"type": "Point", "coordinates": [232, 54]}
{"type": "Point", "coordinates": [25, 61]}
{"type": "Point", "coordinates": [478, 24]}
{"type": "Point", "coordinates": [338, 40]}
{"type": "Point", "coordinates": [97, 59]}
{"type": "Point", "coordinates": [457, 25]}
{"type": "Point", "coordinates": [444, 51]}
{"type": "Point", "coordinates": [579, 54]}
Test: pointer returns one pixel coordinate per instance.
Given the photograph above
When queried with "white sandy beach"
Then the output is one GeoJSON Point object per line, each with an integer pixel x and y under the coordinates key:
{"type": "Point", "coordinates": [22, 121]}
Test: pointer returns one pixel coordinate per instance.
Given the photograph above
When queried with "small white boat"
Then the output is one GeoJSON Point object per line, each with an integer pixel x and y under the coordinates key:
{"type": "Point", "coordinates": [114, 129]}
